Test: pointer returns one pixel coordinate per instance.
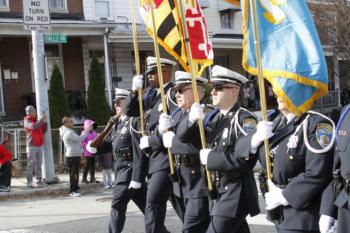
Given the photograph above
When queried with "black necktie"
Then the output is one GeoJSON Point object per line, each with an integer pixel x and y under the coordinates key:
{"type": "Point", "coordinates": [221, 116]}
{"type": "Point", "coordinates": [282, 124]}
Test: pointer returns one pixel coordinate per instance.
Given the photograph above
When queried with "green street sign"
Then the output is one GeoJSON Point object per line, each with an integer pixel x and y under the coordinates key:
{"type": "Point", "coordinates": [55, 38]}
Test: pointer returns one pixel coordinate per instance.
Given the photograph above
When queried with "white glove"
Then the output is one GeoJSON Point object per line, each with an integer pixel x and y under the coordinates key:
{"type": "Point", "coordinates": [90, 149]}
{"type": "Point", "coordinates": [326, 224]}
{"type": "Point", "coordinates": [196, 113]}
{"type": "Point", "coordinates": [144, 142]}
{"type": "Point", "coordinates": [274, 197]}
{"type": "Point", "coordinates": [137, 82]}
{"type": "Point", "coordinates": [135, 185]}
{"type": "Point", "coordinates": [203, 154]}
{"type": "Point", "coordinates": [168, 139]}
{"type": "Point", "coordinates": [263, 131]}
{"type": "Point", "coordinates": [165, 123]}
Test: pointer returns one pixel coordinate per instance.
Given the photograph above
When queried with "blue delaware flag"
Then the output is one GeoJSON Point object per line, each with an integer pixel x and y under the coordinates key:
{"type": "Point", "coordinates": [291, 52]}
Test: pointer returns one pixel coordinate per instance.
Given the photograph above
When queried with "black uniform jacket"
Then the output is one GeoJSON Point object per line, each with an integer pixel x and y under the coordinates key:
{"type": "Point", "coordinates": [235, 175]}
{"type": "Point", "coordinates": [331, 203]}
{"type": "Point", "coordinates": [157, 156]}
{"type": "Point", "coordinates": [120, 144]}
{"type": "Point", "coordinates": [301, 173]}
{"type": "Point", "coordinates": [189, 167]}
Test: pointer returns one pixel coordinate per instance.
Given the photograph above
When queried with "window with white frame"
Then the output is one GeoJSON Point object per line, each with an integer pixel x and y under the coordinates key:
{"type": "Point", "coordinates": [4, 3]}
{"type": "Point", "coordinates": [226, 19]}
{"type": "Point", "coordinates": [102, 8]}
{"type": "Point", "coordinates": [58, 5]}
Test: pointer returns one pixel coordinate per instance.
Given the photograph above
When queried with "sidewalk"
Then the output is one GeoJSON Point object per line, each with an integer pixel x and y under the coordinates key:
{"type": "Point", "coordinates": [19, 189]}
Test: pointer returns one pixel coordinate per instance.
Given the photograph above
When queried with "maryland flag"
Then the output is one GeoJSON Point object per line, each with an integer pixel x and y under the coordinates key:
{"type": "Point", "coordinates": [170, 34]}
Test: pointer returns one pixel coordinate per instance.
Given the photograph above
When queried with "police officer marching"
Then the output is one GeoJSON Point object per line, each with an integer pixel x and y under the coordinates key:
{"type": "Point", "coordinates": [335, 200]}
{"type": "Point", "coordinates": [301, 154]}
{"type": "Point", "coordinates": [130, 183]}
{"type": "Point", "coordinates": [159, 183]}
{"type": "Point", "coordinates": [233, 176]}
{"type": "Point", "coordinates": [189, 185]}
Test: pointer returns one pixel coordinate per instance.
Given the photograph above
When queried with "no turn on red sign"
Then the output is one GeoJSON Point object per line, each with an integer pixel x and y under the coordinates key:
{"type": "Point", "coordinates": [36, 14]}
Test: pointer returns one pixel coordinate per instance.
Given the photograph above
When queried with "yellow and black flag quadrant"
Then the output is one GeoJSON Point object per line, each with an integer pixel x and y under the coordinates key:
{"type": "Point", "coordinates": [170, 33]}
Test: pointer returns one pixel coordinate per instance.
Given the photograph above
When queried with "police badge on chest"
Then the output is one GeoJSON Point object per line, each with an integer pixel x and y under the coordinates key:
{"type": "Point", "coordinates": [293, 142]}
{"type": "Point", "coordinates": [124, 130]}
{"type": "Point", "coordinates": [225, 133]}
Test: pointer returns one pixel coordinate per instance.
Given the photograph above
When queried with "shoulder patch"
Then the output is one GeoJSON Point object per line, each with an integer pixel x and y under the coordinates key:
{"type": "Point", "coordinates": [249, 125]}
{"type": "Point", "coordinates": [324, 132]}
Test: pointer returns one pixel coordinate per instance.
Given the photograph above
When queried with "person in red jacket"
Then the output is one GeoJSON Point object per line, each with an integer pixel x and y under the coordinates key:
{"type": "Point", "coordinates": [5, 167]}
{"type": "Point", "coordinates": [35, 144]}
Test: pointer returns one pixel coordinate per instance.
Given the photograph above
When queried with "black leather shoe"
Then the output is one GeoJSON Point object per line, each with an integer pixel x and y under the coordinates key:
{"type": "Point", "coordinates": [85, 181]}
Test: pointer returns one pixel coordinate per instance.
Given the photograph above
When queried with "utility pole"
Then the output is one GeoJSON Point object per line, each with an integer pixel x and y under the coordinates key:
{"type": "Point", "coordinates": [42, 103]}
{"type": "Point", "coordinates": [36, 17]}
{"type": "Point", "coordinates": [107, 72]}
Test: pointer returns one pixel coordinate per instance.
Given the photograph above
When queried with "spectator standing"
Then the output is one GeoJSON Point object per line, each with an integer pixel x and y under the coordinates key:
{"type": "Point", "coordinates": [35, 130]}
{"type": "Point", "coordinates": [90, 158]}
{"type": "Point", "coordinates": [106, 162]}
{"type": "Point", "coordinates": [73, 150]}
{"type": "Point", "coordinates": [5, 167]}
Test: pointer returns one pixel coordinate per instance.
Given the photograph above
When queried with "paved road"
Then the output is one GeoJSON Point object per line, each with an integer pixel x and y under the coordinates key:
{"type": "Point", "coordinates": [86, 214]}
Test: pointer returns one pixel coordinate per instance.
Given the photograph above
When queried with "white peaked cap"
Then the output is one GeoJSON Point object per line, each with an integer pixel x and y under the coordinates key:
{"type": "Point", "coordinates": [182, 77]}
{"type": "Point", "coordinates": [222, 74]}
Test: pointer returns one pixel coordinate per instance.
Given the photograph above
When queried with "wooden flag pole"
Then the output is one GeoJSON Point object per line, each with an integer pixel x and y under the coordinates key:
{"type": "Point", "coordinates": [194, 83]}
{"type": "Point", "coordinates": [261, 82]}
{"type": "Point", "coordinates": [137, 63]}
{"type": "Point", "coordinates": [160, 77]}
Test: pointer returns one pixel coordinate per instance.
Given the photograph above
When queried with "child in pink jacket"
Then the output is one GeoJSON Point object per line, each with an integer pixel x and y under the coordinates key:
{"type": "Point", "coordinates": [90, 158]}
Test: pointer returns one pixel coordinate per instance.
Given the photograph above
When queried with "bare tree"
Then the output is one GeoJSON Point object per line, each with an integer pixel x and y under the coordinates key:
{"type": "Point", "coordinates": [332, 19]}
{"type": "Point", "coordinates": [333, 22]}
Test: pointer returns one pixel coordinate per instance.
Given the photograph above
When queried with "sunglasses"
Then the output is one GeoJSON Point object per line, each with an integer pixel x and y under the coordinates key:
{"type": "Point", "coordinates": [153, 72]}
{"type": "Point", "coordinates": [182, 90]}
{"type": "Point", "coordinates": [118, 102]}
{"type": "Point", "coordinates": [222, 87]}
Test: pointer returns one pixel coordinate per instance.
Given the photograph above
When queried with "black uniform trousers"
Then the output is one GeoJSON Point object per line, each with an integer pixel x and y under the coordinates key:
{"type": "Point", "coordinates": [121, 197]}
{"type": "Point", "coordinates": [178, 205]}
{"type": "Point", "coordinates": [343, 219]}
{"type": "Point", "coordinates": [225, 224]}
{"type": "Point", "coordinates": [5, 174]}
{"type": "Point", "coordinates": [73, 164]}
{"type": "Point", "coordinates": [294, 231]}
{"type": "Point", "coordinates": [158, 193]}
{"type": "Point", "coordinates": [196, 219]}
{"type": "Point", "coordinates": [221, 224]}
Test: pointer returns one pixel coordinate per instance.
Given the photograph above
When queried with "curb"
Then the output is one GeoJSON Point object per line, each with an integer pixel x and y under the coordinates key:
{"type": "Point", "coordinates": [61, 189]}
